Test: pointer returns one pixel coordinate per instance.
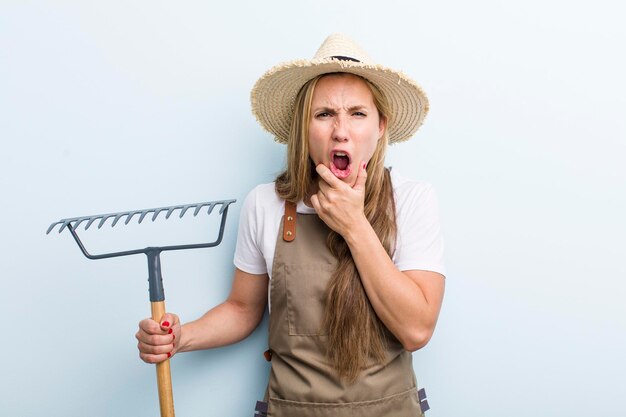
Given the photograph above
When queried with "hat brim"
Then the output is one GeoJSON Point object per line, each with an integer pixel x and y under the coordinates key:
{"type": "Point", "coordinates": [273, 96]}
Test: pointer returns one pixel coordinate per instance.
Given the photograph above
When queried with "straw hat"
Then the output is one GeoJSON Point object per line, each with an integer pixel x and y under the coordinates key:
{"type": "Point", "coordinates": [274, 94]}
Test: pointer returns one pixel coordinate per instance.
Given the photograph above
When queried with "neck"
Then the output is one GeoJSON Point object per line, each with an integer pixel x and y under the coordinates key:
{"type": "Point", "coordinates": [313, 189]}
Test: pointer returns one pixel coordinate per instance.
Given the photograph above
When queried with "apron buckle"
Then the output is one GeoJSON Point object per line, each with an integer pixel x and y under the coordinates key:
{"type": "Point", "coordinates": [261, 409]}
{"type": "Point", "coordinates": [421, 394]}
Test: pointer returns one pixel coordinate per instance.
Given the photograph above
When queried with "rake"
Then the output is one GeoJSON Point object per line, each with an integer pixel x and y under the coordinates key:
{"type": "Point", "coordinates": [155, 279]}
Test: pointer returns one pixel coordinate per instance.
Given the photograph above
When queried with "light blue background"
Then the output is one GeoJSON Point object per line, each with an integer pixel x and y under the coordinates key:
{"type": "Point", "coordinates": [107, 106]}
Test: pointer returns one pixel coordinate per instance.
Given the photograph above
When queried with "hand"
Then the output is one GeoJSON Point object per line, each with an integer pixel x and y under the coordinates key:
{"type": "Point", "coordinates": [338, 204]}
{"type": "Point", "coordinates": [158, 341]}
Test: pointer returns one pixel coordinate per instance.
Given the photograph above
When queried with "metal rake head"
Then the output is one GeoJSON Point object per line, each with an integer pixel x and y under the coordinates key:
{"type": "Point", "coordinates": [74, 222]}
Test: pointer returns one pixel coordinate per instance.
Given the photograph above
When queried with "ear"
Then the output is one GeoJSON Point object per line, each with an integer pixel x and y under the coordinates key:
{"type": "Point", "coordinates": [382, 125]}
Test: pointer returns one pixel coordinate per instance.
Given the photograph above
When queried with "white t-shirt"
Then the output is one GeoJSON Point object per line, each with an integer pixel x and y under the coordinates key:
{"type": "Point", "coordinates": [419, 242]}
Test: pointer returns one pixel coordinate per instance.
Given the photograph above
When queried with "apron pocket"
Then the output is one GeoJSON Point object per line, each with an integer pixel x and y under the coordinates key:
{"type": "Point", "coordinates": [305, 287]}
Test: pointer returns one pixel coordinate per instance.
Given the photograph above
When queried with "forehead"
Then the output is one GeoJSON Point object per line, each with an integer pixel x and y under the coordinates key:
{"type": "Point", "coordinates": [342, 86]}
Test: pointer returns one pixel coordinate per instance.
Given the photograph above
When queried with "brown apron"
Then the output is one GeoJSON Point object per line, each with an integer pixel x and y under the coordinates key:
{"type": "Point", "coordinates": [302, 383]}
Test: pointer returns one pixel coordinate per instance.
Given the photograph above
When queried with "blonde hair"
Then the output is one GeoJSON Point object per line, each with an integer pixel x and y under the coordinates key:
{"type": "Point", "coordinates": [356, 336]}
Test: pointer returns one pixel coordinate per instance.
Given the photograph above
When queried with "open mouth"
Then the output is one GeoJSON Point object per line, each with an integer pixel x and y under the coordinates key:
{"type": "Point", "coordinates": [340, 164]}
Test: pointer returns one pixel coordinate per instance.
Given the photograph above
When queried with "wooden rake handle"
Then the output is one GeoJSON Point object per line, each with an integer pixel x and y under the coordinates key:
{"type": "Point", "coordinates": [164, 377]}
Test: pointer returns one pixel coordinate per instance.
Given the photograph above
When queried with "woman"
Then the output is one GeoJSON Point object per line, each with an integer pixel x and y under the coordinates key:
{"type": "Point", "coordinates": [353, 251]}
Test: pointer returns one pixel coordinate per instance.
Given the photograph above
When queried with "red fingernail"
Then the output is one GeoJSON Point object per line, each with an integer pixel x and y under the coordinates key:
{"type": "Point", "coordinates": [165, 324]}
{"type": "Point", "coordinates": [173, 337]}
{"type": "Point", "coordinates": [364, 165]}
{"type": "Point", "coordinates": [170, 331]}
{"type": "Point", "coordinates": [169, 354]}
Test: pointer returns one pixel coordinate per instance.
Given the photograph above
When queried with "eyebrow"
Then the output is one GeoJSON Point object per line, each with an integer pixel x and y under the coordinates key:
{"type": "Point", "coordinates": [334, 110]}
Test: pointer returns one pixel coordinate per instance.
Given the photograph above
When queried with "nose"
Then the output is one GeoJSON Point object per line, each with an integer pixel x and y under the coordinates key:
{"type": "Point", "coordinates": [340, 129]}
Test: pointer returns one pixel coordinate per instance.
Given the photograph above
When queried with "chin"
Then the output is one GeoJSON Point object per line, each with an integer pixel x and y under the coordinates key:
{"type": "Point", "coordinates": [350, 181]}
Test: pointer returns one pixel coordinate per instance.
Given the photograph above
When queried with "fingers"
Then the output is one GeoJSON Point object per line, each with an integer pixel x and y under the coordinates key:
{"type": "Point", "coordinates": [150, 326]}
{"type": "Point", "coordinates": [155, 354]}
{"type": "Point", "coordinates": [327, 175]}
{"type": "Point", "coordinates": [329, 181]}
{"type": "Point", "coordinates": [361, 178]}
{"type": "Point", "coordinates": [337, 203]}
{"type": "Point", "coordinates": [153, 359]}
{"type": "Point", "coordinates": [169, 321]}
{"type": "Point", "coordinates": [154, 339]}
{"type": "Point", "coordinates": [158, 341]}
{"type": "Point", "coordinates": [315, 202]}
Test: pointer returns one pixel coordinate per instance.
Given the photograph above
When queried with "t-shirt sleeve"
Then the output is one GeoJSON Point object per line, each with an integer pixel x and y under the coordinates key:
{"type": "Point", "coordinates": [420, 241]}
{"type": "Point", "coordinates": [248, 255]}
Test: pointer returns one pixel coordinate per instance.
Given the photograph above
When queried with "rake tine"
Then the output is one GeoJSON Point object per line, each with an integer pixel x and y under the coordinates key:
{"type": "Point", "coordinates": [78, 221]}
{"type": "Point", "coordinates": [52, 227]}
{"type": "Point", "coordinates": [104, 219]}
{"type": "Point", "coordinates": [211, 207]}
{"type": "Point", "coordinates": [144, 213]}
{"type": "Point", "coordinates": [117, 218]}
{"type": "Point", "coordinates": [156, 213]}
{"type": "Point", "coordinates": [198, 208]}
{"type": "Point", "coordinates": [64, 225]}
{"type": "Point", "coordinates": [170, 211]}
{"type": "Point", "coordinates": [184, 210]}
{"type": "Point", "coordinates": [130, 216]}
{"type": "Point", "coordinates": [91, 220]}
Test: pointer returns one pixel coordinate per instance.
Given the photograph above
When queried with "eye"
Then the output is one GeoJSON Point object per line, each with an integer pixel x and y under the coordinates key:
{"type": "Point", "coordinates": [359, 114]}
{"type": "Point", "coordinates": [322, 115]}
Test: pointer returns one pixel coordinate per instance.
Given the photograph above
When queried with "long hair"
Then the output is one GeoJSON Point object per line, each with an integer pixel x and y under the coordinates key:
{"type": "Point", "coordinates": [356, 336]}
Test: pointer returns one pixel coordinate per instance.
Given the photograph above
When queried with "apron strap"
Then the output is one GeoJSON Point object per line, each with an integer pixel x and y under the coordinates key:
{"type": "Point", "coordinates": [289, 222]}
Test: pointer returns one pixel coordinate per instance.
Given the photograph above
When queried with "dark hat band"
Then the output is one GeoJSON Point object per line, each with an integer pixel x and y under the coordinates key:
{"type": "Point", "coordinates": [344, 58]}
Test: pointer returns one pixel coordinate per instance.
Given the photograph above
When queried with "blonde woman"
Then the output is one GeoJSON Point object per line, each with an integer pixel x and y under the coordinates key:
{"type": "Point", "coordinates": [348, 253]}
